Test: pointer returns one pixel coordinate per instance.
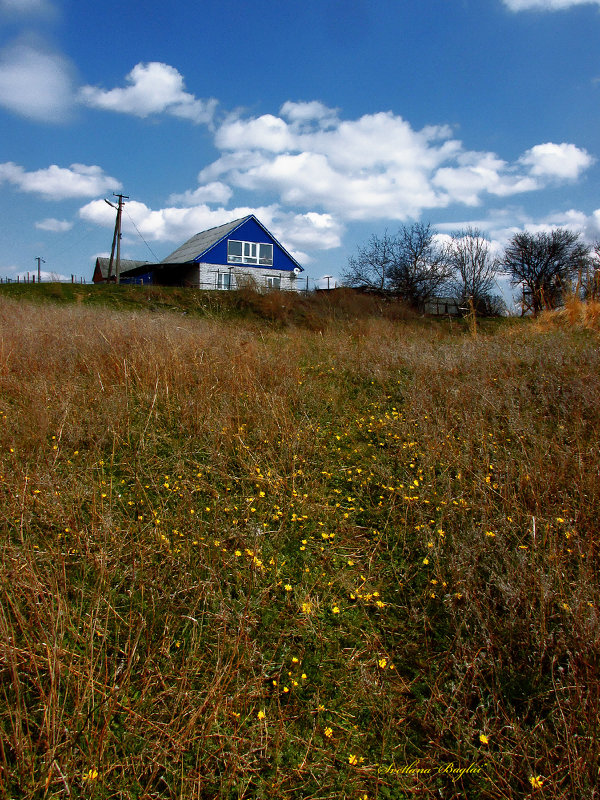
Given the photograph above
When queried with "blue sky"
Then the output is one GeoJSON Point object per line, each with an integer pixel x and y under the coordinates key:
{"type": "Point", "coordinates": [329, 119]}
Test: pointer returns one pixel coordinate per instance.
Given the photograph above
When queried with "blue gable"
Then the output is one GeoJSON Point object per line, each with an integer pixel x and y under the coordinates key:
{"type": "Point", "coordinates": [249, 231]}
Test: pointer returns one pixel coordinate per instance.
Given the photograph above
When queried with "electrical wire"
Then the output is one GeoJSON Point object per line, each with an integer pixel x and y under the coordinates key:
{"type": "Point", "coordinates": [156, 258]}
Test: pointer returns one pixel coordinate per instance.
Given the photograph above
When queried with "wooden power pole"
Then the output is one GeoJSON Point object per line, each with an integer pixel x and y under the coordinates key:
{"type": "Point", "coordinates": [39, 270]}
{"type": "Point", "coordinates": [116, 239]}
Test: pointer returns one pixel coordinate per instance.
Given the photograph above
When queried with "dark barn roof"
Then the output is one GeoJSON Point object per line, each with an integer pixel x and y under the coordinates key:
{"type": "Point", "coordinates": [127, 265]}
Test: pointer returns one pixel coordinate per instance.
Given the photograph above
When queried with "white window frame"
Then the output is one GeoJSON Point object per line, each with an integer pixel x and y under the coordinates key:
{"type": "Point", "coordinates": [224, 280]}
{"type": "Point", "coordinates": [254, 253]}
{"type": "Point", "coordinates": [273, 281]}
{"type": "Point", "coordinates": [235, 259]}
{"type": "Point", "coordinates": [264, 259]}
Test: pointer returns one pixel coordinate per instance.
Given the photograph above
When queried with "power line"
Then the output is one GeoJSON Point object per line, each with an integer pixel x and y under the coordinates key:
{"type": "Point", "coordinates": [70, 246]}
{"type": "Point", "coordinates": [156, 258]}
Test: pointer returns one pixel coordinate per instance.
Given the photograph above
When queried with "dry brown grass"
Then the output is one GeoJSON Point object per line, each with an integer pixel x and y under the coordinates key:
{"type": "Point", "coordinates": [186, 502]}
{"type": "Point", "coordinates": [575, 314]}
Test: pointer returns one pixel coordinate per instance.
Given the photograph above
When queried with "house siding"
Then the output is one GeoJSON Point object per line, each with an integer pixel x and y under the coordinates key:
{"type": "Point", "coordinates": [243, 275]}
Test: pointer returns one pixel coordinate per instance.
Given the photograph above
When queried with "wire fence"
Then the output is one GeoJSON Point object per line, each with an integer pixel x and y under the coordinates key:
{"type": "Point", "coordinates": [302, 285]}
{"type": "Point", "coordinates": [32, 278]}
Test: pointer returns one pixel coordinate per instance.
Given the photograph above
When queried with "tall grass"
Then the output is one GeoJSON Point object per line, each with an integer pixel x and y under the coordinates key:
{"type": "Point", "coordinates": [356, 558]}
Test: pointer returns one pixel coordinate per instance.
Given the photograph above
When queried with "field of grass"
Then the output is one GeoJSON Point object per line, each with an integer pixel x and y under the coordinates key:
{"type": "Point", "coordinates": [325, 552]}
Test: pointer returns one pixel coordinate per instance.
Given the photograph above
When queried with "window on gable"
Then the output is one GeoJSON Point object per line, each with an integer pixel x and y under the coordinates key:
{"type": "Point", "coordinates": [249, 253]}
{"type": "Point", "coordinates": [234, 251]}
{"type": "Point", "coordinates": [265, 255]}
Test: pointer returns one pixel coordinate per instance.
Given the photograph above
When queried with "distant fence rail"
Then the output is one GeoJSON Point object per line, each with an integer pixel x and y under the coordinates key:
{"type": "Point", "coordinates": [31, 278]}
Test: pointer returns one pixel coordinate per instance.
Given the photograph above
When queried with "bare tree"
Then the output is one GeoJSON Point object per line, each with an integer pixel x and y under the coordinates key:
{"type": "Point", "coordinates": [421, 266]}
{"type": "Point", "coordinates": [590, 278]}
{"type": "Point", "coordinates": [474, 270]}
{"type": "Point", "coordinates": [409, 265]}
{"type": "Point", "coordinates": [545, 264]}
{"type": "Point", "coordinates": [370, 268]}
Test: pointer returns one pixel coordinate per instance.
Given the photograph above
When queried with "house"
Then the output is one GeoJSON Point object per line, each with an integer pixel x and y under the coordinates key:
{"type": "Point", "coordinates": [231, 256]}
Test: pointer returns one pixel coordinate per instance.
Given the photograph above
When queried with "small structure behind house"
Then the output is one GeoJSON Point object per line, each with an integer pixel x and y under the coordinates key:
{"type": "Point", "coordinates": [443, 306]}
{"type": "Point", "coordinates": [127, 267]}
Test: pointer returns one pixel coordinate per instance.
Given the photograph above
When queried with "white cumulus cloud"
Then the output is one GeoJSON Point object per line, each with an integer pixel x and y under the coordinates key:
{"type": "Point", "coordinates": [476, 173]}
{"type": "Point", "coordinates": [313, 111]}
{"type": "Point", "coordinates": [26, 7]}
{"type": "Point", "coordinates": [154, 88]}
{"type": "Point", "coordinates": [267, 132]}
{"type": "Point", "coordinates": [374, 167]}
{"type": "Point", "coordinates": [59, 183]}
{"type": "Point", "coordinates": [35, 83]}
{"type": "Point", "coordinates": [297, 232]}
{"type": "Point", "coordinates": [168, 224]}
{"type": "Point", "coordinates": [500, 225]}
{"type": "Point", "coordinates": [546, 5]}
{"type": "Point", "coordinates": [561, 161]}
{"type": "Point", "coordinates": [54, 225]}
{"type": "Point", "coordinates": [309, 231]}
{"type": "Point", "coordinates": [214, 192]}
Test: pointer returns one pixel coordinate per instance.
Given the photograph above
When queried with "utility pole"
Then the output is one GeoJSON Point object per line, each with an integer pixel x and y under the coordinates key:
{"type": "Point", "coordinates": [39, 261]}
{"type": "Point", "coordinates": [116, 238]}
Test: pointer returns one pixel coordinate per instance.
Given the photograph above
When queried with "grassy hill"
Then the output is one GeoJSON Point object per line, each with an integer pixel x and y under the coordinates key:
{"type": "Point", "coordinates": [280, 307]}
{"type": "Point", "coordinates": [295, 551]}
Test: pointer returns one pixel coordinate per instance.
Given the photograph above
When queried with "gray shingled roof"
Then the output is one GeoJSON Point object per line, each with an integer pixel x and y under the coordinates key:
{"type": "Point", "coordinates": [201, 242]}
{"type": "Point", "coordinates": [125, 266]}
